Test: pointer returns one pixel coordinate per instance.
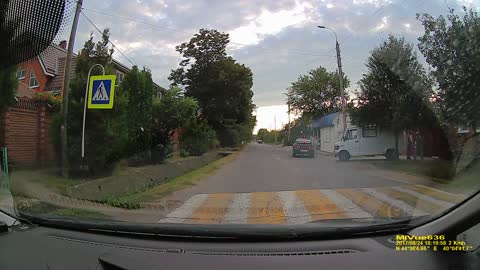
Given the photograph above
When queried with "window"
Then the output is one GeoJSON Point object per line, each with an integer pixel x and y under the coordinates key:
{"type": "Point", "coordinates": [351, 134]}
{"type": "Point", "coordinates": [33, 80]}
{"type": "Point", "coordinates": [21, 74]}
{"type": "Point", "coordinates": [369, 131]}
{"type": "Point", "coordinates": [120, 76]}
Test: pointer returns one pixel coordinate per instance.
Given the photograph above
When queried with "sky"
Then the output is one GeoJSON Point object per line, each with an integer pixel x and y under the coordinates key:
{"type": "Point", "coordinates": [277, 39]}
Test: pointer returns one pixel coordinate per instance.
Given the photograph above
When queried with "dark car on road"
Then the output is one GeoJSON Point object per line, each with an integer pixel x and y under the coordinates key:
{"type": "Point", "coordinates": [303, 147]}
{"type": "Point", "coordinates": [259, 141]}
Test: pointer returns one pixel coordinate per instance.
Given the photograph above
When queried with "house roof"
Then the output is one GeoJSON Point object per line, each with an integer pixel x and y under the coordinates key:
{"type": "Point", "coordinates": [325, 121]}
{"type": "Point", "coordinates": [57, 82]}
{"type": "Point", "coordinates": [49, 59]}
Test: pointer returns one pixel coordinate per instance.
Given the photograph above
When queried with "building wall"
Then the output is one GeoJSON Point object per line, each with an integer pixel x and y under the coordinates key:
{"type": "Point", "coordinates": [332, 134]}
{"type": "Point", "coordinates": [37, 68]}
{"type": "Point", "coordinates": [25, 133]}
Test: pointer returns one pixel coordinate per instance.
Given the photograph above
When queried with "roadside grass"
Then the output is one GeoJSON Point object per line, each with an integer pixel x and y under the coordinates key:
{"type": "Point", "coordinates": [135, 198]}
{"type": "Point", "coordinates": [47, 178]}
{"type": "Point", "coordinates": [32, 206]}
{"type": "Point", "coordinates": [75, 212]}
{"type": "Point", "coordinates": [440, 171]}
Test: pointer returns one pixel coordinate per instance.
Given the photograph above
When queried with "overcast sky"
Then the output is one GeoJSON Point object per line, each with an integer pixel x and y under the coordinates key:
{"type": "Point", "coordinates": [277, 39]}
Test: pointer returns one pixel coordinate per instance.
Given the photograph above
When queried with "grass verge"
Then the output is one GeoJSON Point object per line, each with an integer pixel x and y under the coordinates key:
{"type": "Point", "coordinates": [47, 178]}
{"type": "Point", "coordinates": [75, 212]}
{"type": "Point", "coordinates": [134, 199]}
{"type": "Point", "coordinates": [440, 171]}
{"type": "Point", "coordinates": [33, 206]}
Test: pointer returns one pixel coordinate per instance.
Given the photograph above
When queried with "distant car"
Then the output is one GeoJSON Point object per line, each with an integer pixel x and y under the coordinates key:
{"type": "Point", "coordinates": [259, 141]}
{"type": "Point", "coordinates": [303, 147]}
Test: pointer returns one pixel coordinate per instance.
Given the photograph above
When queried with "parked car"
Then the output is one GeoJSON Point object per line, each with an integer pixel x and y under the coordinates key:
{"type": "Point", "coordinates": [303, 147]}
{"type": "Point", "coordinates": [367, 141]}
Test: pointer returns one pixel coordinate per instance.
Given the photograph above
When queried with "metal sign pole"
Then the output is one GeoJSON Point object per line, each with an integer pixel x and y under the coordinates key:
{"type": "Point", "coordinates": [85, 107]}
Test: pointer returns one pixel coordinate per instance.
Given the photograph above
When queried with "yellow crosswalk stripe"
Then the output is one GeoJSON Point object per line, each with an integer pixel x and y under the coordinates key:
{"type": "Point", "coordinates": [265, 208]}
{"type": "Point", "coordinates": [213, 210]}
{"type": "Point", "coordinates": [319, 206]}
{"type": "Point", "coordinates": [437, 194]}
{"type": "Point", "coordinates": [412, 200]}
{"type": "Point", "coordinates": [374, 206]}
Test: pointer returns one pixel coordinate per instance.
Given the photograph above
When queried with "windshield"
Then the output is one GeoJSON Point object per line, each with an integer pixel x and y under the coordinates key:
{"type": "Point", "coordinates": [241, 112]}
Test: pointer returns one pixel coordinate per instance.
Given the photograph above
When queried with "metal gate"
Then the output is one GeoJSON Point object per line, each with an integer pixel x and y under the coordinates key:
{"type": "Point", "coordinates": [4, 176]}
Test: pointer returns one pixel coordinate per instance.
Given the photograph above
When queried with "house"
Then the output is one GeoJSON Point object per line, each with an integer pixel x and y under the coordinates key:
{"type": "Point", "coordinates": [24, 126]}
{"type": "Point", "coordinates": [36, 74]}
{"type": "Point", "coordinates": [45, 72]}
{"type": "Point", "coordinates": [328, 130]}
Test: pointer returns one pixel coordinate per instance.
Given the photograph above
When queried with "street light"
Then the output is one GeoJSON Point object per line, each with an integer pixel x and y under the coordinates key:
{"type": "Point", "coordinates": [340, 75]}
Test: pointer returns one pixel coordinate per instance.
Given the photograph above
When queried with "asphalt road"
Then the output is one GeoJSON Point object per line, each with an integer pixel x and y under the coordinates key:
{"type": "Point", "coordinates": [266, 185]}
{"type": "Point", "coordinates": [269, 168]}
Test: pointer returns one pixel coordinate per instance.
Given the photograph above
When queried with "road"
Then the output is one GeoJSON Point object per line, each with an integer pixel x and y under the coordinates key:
{"type": "Point", "coordinates": [266, 185]}
{"type": "Point", "coordinates": [267, 168]}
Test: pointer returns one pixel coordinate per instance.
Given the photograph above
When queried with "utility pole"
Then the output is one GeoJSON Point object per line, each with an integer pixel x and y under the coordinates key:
{"type": "Point", "coordinates": [275, 127]}
{"type": "Point", "coordinates": [66, 86]}
{"type": "Point", "coordinates": [340, 76]}
{"type": "Point", "coordinates": [342, 90]}
{"type": "Point", "coordinates": [288, 121]}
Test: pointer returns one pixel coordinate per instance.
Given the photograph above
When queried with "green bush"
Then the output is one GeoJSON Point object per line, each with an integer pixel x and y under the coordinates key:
{"type": "Point", "coordinates": [441, 171]}
{"type": "Point", "coordinates": [197, 138]}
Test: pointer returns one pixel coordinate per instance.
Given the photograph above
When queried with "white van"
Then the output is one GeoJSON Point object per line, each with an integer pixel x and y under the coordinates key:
{"type": "Point", "coordinates": [367, 141]}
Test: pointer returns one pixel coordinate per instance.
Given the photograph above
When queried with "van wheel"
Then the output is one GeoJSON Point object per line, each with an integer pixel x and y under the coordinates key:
{"type": "Point", "coordinates": [390, 154]}
{"type": "Point", "coordinates": [344, 155]}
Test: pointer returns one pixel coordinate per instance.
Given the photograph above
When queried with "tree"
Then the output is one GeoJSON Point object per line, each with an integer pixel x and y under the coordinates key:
{"type": "Point", "coordinates": [262, 134]}
{"type": "Point", "coordinates": [221, 86]}
{"type": "Point", "coordinates": [394, 92]}
{"type": "Point", "coordinates": [197, 137]}
{"type": "Point", "coordinates": [172, 111]}
{"type": "Point", "coordinates": [206, 47]}
{"type": "Point", "coordinates": [8, 87]}
{"type": "Point", "coordinates": [138, 86]}
{"type": "Point", "coordinates": [299, 128]}
{"type": "Point", "coordinates": [451, 46]}
{"type": "Point", "coordinates": [317, 93]}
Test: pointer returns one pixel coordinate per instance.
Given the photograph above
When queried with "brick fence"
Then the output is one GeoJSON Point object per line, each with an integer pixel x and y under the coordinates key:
{"type": "Point", "coordinates": [24, 132]}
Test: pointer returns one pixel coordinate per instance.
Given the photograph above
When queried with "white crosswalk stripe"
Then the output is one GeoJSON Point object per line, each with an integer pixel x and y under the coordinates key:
{"type": "Point", "coordinates": [182, 213]}
{"type": "Point", "coordinates": [351, 208]}
{"type": "Point", "coordinates": [425, 197]}
{"type": "Point", "coordinates": [238, 211]}
{"type": "Point", "coordinates": [297, 206]}
{"type": "Point", "coordinates": [406, 208]}
{"type": "Point", "coordinates": [295, 211]}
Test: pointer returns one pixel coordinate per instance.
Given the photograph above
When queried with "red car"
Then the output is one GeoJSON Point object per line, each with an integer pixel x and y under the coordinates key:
{"type": "Point", "coordinates": [303, 147]}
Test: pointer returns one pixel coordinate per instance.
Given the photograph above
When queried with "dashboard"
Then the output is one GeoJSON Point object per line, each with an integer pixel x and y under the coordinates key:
{"type": "Point", "coordinates": [34, 247]}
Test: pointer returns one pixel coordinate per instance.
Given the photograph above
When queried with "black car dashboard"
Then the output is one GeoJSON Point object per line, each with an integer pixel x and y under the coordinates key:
{"type": "Point", "coordinates": [27, 247]}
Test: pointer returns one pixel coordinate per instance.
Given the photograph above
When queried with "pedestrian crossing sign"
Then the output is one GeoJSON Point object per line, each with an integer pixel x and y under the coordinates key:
{"type": "Point", "coordinates": [101, 92]}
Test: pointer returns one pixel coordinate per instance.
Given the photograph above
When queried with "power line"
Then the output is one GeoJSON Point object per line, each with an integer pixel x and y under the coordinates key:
{"type": "Point", "coordinates": [100, 31]}
{"type": "Point", "coordinates": [190, 33]}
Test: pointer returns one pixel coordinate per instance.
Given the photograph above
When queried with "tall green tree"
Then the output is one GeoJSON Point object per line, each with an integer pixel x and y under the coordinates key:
{"type": "Point", "coordinates": [262, 134]}
{"type": "Point", "coordinates": [174, 110]}
{"type": "Point", "coordinates": [220, 84]}
{"type": "Point", "coordinates": [138, 86]}
{"type": "Point", "coordinates": [317, 93]}
{"type": "Point", "coordinates": [8, 80]}
{"type": "Point", "coordinates": [8, 87]}
{"type": "Point", "coordinates": [204, 48]}
{"type": "Point", "coordinates": [395, 90]}
{"type": "Point", "coordinates": [451, 46]}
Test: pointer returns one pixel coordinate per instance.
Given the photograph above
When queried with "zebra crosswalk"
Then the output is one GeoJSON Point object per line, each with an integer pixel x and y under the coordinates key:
{"type": "Point", "coordinates": [302, 206]}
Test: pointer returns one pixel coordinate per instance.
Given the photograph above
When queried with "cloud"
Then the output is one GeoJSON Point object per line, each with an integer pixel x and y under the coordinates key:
{"type": "Point", "coordinates": [282, 35]}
